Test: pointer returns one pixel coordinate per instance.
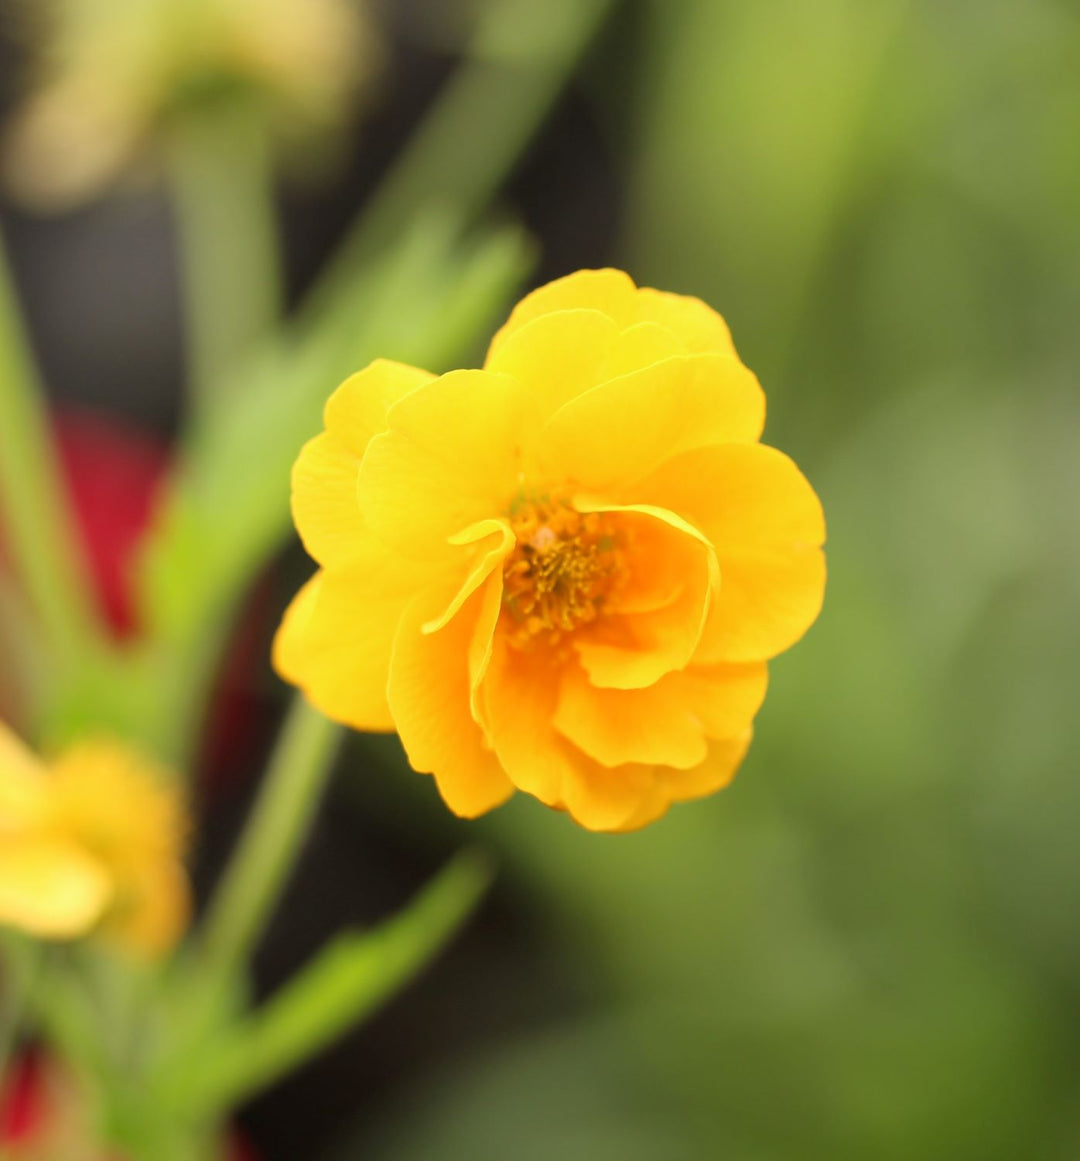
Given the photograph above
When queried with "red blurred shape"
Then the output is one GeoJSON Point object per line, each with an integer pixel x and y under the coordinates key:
{"type": "Point", "coordinates": [112, 476]}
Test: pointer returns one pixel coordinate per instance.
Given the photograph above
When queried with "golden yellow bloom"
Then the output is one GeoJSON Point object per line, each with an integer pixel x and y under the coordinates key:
{"type": "Point", "coordinates": [93, 840]}
{"type": "Point", "coordinates": [114, 70]}
{"type": "Point", "coordinates": [563, 573]}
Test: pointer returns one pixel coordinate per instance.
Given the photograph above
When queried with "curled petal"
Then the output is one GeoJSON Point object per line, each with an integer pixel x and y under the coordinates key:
{"type": "Point", "coordinates": [655, 625]}
{"type": "Point", "coordinates": [766, 525]}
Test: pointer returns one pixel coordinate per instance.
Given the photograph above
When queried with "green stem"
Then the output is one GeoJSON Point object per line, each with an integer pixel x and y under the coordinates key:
{"type": "Point", "coordinates": [292, 785]}
{"type": "Point", "coordinates": [348, 980]}
{"type": "Point", "coordinates": [222, 182]}
{"type": "Point", "coordinates": [38, 530]}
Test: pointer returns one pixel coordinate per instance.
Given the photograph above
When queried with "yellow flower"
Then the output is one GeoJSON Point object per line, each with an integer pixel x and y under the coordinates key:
{"type": "Point", "coordinates": [563, 573]}
{"type": "Point", "coordinates": [115, 70]}
{"type": "Point", "coordinates": [94, 840]}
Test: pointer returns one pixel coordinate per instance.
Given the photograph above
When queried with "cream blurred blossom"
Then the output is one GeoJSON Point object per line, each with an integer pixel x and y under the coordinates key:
{"type": "Point", "coordinates": [111, 73]}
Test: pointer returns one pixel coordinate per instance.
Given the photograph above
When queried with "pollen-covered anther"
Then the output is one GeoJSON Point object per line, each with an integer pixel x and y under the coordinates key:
{"type": "Point", "coordinates": [563, 571]}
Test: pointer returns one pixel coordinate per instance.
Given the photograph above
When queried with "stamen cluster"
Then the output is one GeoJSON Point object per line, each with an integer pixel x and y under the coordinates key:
{"type": "Point", "coordinates": [561, 572]}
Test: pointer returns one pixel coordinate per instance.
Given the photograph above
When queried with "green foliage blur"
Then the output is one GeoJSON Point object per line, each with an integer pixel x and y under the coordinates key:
{"type": "Point", "coordinates": [869, 947]}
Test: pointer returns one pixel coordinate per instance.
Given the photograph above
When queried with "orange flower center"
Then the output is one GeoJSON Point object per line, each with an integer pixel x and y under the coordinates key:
{"type": "Point", "coordinates": [564, 567]}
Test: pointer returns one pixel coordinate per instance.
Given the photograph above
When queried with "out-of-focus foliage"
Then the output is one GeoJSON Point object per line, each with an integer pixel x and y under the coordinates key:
{"type": "Point", "coordinates": [869, 946]}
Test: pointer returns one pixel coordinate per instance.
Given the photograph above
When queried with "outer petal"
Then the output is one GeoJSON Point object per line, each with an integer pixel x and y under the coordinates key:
{"type": "Point", "coordinates": [356, 412]}
{"type": "Point", "coordinates": [517, 700]}
{"type": "Point", "coordinates": [652, 628]}
{"type": "Point", "coordinates": [519, 696]}
{"type": "Point", "coordinates": [724, 698]}
{"type": "Point", "coordinates": [610, 291]}
{"type": "Point", "coordinates": [156, 911]}
{"type": "Point", "coordinates": [766, 525]}
{"type": "Point", "coordinates": [51, 888]}
{"type": "Point", "coordinates": [653, 726]}
{"type": "Point", "coordinates": [452, 457]}
{"type": "Point", "coordinates": [697, 324]}
{"type": "Point", "coordinates": [626, 428]}
{"type": "Point", "coordinates": [716, 772]}
{"type": "Point", "coordinates": [606, 799]}
{"type": "Point", "coordinates": [614, 293]}
{"type": "Point", "coordinates": [22, 784]}
{"type": "Point", "coordinates": [666, 724]}
{"type": "Point", "coordinates": [430, 696]}
{"type": "Point", "coordinates": [557, 356]}
{"type": "Point", "coordinates": [335, 640]}
{"type": "Point", "coordinates": [324, 504]}
{"type": "Point", "coordinates": [560, 356]}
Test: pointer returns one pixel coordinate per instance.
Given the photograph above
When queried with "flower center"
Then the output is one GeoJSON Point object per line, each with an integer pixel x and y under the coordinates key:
{"type": "Point", "coordinates": [564, 567]}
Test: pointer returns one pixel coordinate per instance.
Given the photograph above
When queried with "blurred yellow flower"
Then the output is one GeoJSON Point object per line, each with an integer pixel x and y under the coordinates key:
{"type": "Point", "coordinates": [115, 70]}
{"type": "Point", "coordinates": [563, 573]}
{"type": "Point", "coordinates": [93, 840]}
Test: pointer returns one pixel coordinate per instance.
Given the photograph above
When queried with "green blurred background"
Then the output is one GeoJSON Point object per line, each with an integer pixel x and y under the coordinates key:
{"type": "Point", "coordinates": [869, 946]}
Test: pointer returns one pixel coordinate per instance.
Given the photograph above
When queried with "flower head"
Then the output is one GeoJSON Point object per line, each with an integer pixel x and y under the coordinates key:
{"type": "Point", "coordinates": [564, 573]}
{"type": "Point", "coordinates": [93, 840]}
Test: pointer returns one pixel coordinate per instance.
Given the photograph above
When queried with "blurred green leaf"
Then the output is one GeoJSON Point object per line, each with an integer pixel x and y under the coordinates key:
{"type": "Point", "coordinates": [345, 983]}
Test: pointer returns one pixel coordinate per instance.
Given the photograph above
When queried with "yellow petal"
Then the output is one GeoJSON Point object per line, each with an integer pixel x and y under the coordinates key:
{"type": "Point", "coordinates": [716, 772]}
{"type": "Point", "coordinates": [324, 504]}
{"type": "Point", "coordinates": [609, 291]}
{"type": "Point", "coordinates": [766, 603]}
{"type": "Point", "coordinates": [743, 496]}
{"type": "Point", "coordinates": [451, 457]}
{"type": "Point", "coordinates": [662, 627]}
{"type": "Point", "coordinates": [22, 784]}
{"type": "Point", "coordinates": [766, 525]}
{"type": "Point", "coordinates": [557, 356]}
{"type": "Point", "coordinates": [640, 346]}
{"type": "Point", "coordinates": [606, 799]}
{"type": "Point", "coordinates": [624, 429]}
{"type": "Point", "coordinates": [430, 695]}
{"type": "Point", "coordinates": [653, 726]}
{"type": "Point", "coordinates": [152, 908]}
{"type": "Point", "coordinates": [723, 698]}
{"type": "Point", "coordinates": [335, 640]}
{"type": "Point", "coordinates": [520, 696]}
{"type": "Point", "coordinates": [517, 698]}
{"type": "Point", "coordinates": [651, 808]}
{"type": "Point", "coordinates": [489, 543]}
{"type": "Point", "coordinates": [699, 326]}
{"type": "Point", "coordinates": [357, 410]}
{"type": "Point", "coordinates": [51, 888]}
